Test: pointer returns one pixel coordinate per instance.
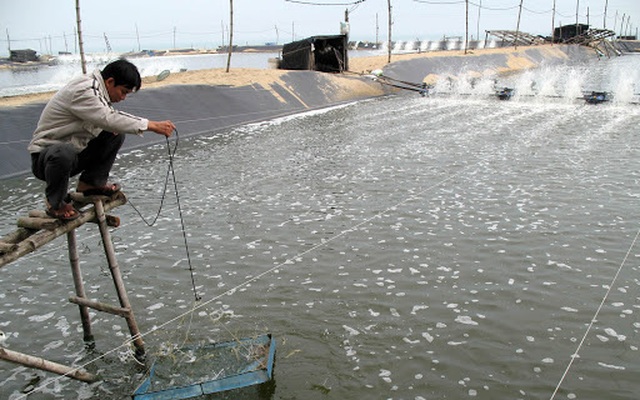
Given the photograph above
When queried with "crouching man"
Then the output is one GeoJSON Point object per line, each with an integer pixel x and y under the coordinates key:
{"type": "Point", "coordinates": [79, 132]}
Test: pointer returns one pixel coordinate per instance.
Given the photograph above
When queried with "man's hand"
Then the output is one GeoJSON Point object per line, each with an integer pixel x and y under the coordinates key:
{"type": "Point", "coordinates": [164, 128]}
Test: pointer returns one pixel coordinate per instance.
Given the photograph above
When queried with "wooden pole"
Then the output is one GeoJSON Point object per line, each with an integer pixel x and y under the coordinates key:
{"type": "Point", "coordinates": [45, 365]}
{"type": "Point", "coordinates": [222, 28]}
{"type": "Point", "coordinates": [377, 31]}
{"type": "Point", "coordinates": [83, 62]}
{"type": "Point", "coordinates": [117, 278]}
{"type": "Point", "coordinates": [138, 37]}
{"type": "Point", "coordinates": [230, 35]}
{"type": "Point", "coordinates": [478, 22]}
{"type": "Point", "coordinates": [74, 259]}
{"type": "Point", "coordinates": [466, 39]}
{"type": "Point", "coordinates": [518, 26]}
{"type": "Point", "coordinates": [553, 23]}
{"type": "Point", "coordinates": [389, 33]}
{"type": "Point", "coordinates": [7, 247]}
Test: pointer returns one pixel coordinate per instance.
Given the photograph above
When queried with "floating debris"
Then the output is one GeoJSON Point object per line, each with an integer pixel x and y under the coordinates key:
{"type": "Point", "coordinates": [505, 93]}
{"type": "Point", "coordinates": [597, 97]}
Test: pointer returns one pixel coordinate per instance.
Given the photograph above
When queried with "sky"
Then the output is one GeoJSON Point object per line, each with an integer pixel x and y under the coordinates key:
{"type": "Point", "coordinates": [48, 26]}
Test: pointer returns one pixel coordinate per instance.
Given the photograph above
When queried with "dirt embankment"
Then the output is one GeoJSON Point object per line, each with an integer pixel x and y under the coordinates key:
{"type": "Point", "coordinates": [265, 77]}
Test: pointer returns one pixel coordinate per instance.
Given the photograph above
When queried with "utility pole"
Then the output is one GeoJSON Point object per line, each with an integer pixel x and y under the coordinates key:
{"type": "Point", "coordinates": [8, 42]}
{"type": "Point", "coordinates": [138, 37]}
{"type": "Point", "coordinates": [553, 23]}
{"type": "Point", "coordinates": [389, 34]}
{"type": "Point", "coordinates": [174, 37]}
{"type": "Point", "coordinates": [106, 42]}
{"type": "Point", "coordinates": [222, 31]}
{"type": "Point", "coordinates": [83, 62]}
{"type": "Point", "coordinates": [377, 31]}
{"type": "Point", "coordinates": [344, 30]}
{"type": "Point", "coordinates": [466, 39]}
{"type": "Point", "coordinates": [230, 34]}
{"type": "Point", "coordinates": [277, 35]}
{"type": "Point", "coordinates": [518, 26]}
{"type": "Point", "coordinates": [604, 19]}
{"type": "Point", "coordinates": [478, 23]}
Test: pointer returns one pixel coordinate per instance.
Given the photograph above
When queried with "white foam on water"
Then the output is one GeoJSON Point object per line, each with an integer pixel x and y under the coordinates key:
{"type": "Point", "coordinates": [42, 318]}
{"type": "Point", "coordinates": [611, 332]}
{"type": "Point", "coordinates": [611, 366]}
{"type": "Point", "coordinates": [465, 320]}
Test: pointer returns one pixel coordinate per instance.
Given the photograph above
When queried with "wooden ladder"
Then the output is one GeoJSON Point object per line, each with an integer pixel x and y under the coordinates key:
{"type": "Point", "coordinates": [37, 230]}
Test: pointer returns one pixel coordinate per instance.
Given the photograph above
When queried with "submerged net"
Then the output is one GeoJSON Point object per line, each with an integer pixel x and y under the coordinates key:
{"type": "Point", "coordinates": [192, 365]}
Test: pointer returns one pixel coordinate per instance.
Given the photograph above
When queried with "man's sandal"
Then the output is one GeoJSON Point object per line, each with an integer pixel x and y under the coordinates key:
{"type": "Point", "coordinates": [64, 213]}
{"type": "Point", "coordinates": [107, 190]}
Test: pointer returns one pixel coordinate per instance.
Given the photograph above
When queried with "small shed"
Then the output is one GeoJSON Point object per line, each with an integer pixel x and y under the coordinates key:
{"type": "Point", "coordinates": [23, 55]}
{"type": "Point", "coordinates": [565, 33]}
{"type": "Point", "coordinates": [316, 53]}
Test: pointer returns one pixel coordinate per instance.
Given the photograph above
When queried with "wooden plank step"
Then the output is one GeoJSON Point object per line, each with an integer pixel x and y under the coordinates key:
{"type": "Point", "coordinates": [96, 305]}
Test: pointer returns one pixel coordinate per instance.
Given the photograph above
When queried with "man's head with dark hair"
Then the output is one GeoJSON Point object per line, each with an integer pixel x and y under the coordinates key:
{"type": "Point", "coordinates": [121, 78]}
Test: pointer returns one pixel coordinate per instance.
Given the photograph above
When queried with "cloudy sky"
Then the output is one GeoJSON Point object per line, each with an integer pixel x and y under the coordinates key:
{"type": "Point", "coordinates": [48, 25]}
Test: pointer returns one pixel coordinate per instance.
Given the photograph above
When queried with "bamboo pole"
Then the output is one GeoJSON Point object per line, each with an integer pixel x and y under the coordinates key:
{"type": "Point", "coordinates": [96, 305]}
{"type": "Point", "coordinates": [117, 278]}
{"type": "Point", "coordinates": [553, 23]}
{"type": "Point", "coordinates": [74, 259]}
{"type": "Point", "coordinates": [518, 26]}
{"type": "Point", "coordinates": [478, 23]}
{"type": "Point", "coordinates": [80, 42]}
{"type": "Point", "coordinates": [230, 35]}
{"type": "Point", "coordinates": [16, 236]}
{"type": "Point", "coordinates": [389, 33]}
{"type": "Point", "coordinates": [7, 247]}
{"type": "Point", "coordinates": [466, 27]}
{"type": "Point", "coordinates": [37, 223]}
{"type": "Point", "coordinates": [45, 365]}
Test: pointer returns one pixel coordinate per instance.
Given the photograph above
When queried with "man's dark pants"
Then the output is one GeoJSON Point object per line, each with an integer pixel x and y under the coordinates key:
{"type": "Point", "coordinates": [58, 163]}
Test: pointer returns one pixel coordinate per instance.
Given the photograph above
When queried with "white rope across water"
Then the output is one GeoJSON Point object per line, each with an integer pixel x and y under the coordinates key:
{"type": "Point", "coordinates": [576, 354]}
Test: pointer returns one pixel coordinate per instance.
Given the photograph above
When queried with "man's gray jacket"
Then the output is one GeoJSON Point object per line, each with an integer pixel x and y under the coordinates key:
{"type": "Point", "coordinates": [79, 112]}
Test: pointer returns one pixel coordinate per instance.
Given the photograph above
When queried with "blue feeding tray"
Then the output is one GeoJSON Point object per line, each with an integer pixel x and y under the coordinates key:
{"type": "Point", "coordinates": [194, 371]}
